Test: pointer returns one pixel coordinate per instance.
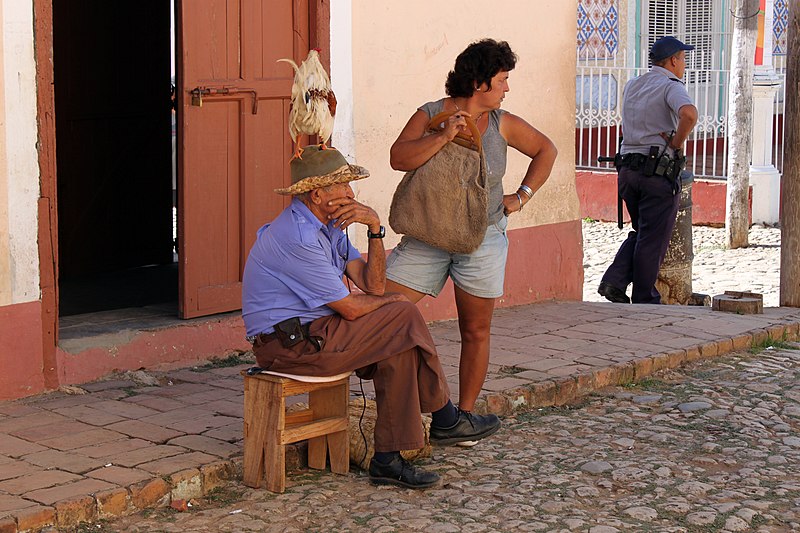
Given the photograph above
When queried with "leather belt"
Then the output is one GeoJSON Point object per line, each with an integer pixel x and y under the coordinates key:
{"type": "Point", "coordinates": [260, 339]}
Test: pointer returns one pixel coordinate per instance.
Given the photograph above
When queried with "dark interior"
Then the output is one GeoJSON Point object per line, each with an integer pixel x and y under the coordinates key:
{"type": "Point", "coordinates": [113, 149]}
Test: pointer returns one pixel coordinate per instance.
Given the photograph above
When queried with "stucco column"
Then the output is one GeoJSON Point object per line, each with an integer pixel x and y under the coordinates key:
{"type": "Point", "coordinates": [764, 177]}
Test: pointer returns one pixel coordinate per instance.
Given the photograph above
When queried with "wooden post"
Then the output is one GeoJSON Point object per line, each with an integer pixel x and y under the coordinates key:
{"type": "Point", "coordinates": [740, 122]}
{"type": "Point", "coordinates": [790, 193]}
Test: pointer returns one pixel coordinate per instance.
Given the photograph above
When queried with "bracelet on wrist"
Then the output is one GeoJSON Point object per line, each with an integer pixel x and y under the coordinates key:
{"type": "Point", "coordinates": [527, 190]}
{"type": "Point", "coordinates": [519, 198]}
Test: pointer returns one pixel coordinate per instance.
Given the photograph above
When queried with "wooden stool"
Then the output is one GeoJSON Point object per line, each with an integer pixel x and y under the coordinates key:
{"type": "Point", "coordinates": [268, 427]}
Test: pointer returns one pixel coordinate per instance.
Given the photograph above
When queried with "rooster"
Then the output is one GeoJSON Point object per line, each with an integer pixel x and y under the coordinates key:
{"type": "Point", "coordinates": [313, 102]}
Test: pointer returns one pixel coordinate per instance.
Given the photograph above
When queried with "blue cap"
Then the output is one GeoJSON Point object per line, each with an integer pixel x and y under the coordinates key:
{"type": "Point", "coordinates": [666, 47]}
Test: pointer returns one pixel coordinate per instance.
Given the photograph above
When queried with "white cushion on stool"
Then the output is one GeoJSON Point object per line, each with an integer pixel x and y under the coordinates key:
{"type": "Point", "coordinates": [308, 379]}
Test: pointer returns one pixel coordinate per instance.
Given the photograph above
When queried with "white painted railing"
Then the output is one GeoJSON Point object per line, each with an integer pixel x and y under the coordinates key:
{"type": "Point", "coordinates": [598, 101]}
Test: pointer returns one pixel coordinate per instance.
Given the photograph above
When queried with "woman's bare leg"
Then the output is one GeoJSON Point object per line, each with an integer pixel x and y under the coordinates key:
{"type": "Point", "coordinates": [412, 295]}
{"type": "Point", "coordinates": [474, 323]}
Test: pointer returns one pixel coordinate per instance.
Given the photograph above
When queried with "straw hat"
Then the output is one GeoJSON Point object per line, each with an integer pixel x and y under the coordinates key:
{"type": "Point", "coordinates": [321, 168]}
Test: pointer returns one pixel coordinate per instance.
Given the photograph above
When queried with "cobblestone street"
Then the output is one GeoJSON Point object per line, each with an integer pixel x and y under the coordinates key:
{"type": "Point", "coordinates": [712, 447]}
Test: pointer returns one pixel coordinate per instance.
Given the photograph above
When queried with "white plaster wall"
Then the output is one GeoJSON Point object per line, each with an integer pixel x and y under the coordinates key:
{"type": "Point", "coordinates": [18, 156]}
{"type": "Point", "coordinates": [401, 54]}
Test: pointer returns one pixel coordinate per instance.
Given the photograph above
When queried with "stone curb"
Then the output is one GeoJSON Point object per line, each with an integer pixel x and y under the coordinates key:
{"type": "Point", "coordinates": [112, 503]}
{"type": "Point", "coordinates": [199, 482]}
{"type": "Point", "coordinates": [564, 390]}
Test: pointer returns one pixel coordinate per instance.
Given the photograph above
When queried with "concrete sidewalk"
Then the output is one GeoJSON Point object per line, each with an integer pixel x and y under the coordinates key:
{"type": "Point", "coordinates": [122, 447]}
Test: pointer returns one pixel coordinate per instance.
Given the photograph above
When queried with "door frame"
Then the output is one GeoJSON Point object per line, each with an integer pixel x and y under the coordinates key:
{"type": "Point", "coordinates": [319, 15]}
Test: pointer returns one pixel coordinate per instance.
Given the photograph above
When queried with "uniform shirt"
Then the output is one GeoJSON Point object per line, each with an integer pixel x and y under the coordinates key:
{"type": "Point", "coordinates": [294, 269]}
{"type": "Point", "coordinates": [650, 106]}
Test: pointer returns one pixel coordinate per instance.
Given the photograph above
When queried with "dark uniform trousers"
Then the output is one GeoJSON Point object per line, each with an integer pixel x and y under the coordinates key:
{"type": "Point", "coordinates": [653, 208]}
{"type": "Point", "coordinates": [393, 347]}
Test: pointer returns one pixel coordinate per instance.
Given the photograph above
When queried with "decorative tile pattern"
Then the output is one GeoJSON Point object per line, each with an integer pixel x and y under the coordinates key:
{"type": "Point", "coordinates": [598, 29]}
{"type": "Point", "coordinates": [779, 22]}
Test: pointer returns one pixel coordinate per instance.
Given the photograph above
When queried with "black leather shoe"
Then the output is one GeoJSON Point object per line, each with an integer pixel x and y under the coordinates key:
{"type": "Point", "coordinates": [612, 294]}
{"type": "Point", "coordinates": [468, 427]}
{"type": "Point", "coordinates": [401, 473]}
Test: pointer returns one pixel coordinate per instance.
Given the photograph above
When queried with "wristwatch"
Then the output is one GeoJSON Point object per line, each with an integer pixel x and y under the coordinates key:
{"type": "Point", "coordinates": [380, 235]}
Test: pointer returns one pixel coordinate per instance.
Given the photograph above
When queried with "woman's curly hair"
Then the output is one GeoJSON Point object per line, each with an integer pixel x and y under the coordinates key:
{"type": "Point", "coordinates": [478, 64]}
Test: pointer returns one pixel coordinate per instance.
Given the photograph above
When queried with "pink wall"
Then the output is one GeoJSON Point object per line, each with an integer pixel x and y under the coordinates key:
{"type": "Point", "coordinates": [21, 357]}
{"type": "Point", "coordinates": [597, 193]}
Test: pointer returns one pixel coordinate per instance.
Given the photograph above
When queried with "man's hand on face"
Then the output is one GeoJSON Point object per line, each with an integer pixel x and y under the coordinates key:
{"type": "Point", "coordinates": [347, 211]}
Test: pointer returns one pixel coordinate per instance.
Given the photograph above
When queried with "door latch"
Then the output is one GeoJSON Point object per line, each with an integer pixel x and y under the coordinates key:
{"type": "Point", "coordinates": [198, 93]}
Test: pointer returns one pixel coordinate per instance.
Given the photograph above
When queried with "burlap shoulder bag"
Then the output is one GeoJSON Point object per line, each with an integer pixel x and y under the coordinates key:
{"type": "Point", "coordinates": [444, 202]}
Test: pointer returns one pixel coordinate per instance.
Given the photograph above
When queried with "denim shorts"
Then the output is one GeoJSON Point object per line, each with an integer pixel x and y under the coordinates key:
{"type": "Point", "coordinates": [425, 269]}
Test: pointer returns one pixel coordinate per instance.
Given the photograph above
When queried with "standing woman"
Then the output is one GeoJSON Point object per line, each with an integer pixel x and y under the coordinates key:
{"type": "Point", "coordinates": [475, 88]}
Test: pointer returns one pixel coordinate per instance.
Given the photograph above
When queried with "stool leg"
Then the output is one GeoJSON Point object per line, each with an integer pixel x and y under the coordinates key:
{"type": "Point", "coordinates": [274, 449]}
{"type": "Point", "coordinates": [326, 403]}
{"type": "Point", "coordinates": [255, 428]}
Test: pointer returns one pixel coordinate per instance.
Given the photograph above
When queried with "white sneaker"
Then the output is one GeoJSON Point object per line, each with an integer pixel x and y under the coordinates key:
{"type": "Point", "coordinates": [467, 443]}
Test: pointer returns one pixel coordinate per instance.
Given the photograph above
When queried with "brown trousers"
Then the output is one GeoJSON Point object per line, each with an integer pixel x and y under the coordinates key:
{"type": "Point", "coordinates": [393, 347]}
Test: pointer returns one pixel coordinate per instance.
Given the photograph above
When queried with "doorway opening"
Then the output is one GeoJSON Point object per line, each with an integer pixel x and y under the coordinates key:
{"type": "Point", "coordinates": [117, 254]}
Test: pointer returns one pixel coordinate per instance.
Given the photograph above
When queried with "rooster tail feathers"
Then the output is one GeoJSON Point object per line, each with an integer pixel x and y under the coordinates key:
{"type": "Point", "coordinates": [291, 62]}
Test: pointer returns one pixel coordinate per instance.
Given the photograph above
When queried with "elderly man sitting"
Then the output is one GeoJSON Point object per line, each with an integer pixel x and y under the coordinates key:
{"type": "Point", "coordinates": [302, 318]}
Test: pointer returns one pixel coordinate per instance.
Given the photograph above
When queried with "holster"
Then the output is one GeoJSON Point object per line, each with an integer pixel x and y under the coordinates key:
{"type": "Point", "coordinates": [291, 332]}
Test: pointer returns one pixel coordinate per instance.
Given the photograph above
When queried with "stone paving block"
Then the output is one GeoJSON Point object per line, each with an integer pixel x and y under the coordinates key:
{"type": "Point", "coordinates": [230, 433]}
{"type": "Point", "coordinates": [112, 503]}
{"type": "Point", "coordinates": [724, 346]}
{"type": "Point", "coordinates": [18, 423]}
{"type": "Point", "coordinates": [191, 376]}
{"type": "Point", "coordinates": [67, 461]}
{"type": "Point", "coordinates": [544, 365]}
{"type": "Point", "coordinates": [45, 433]}
{"type": "Point", "coordinates": [742, 342]}
{"type": "Point", "coordinates": [10, 504]}
{"type": "Point", "coordinates": [69, 491]}
{"type": "Point", "coordinates": [8, 525]}
{"type": "Point", "coordinates": [533, 375]}
{"type": "Point", "coordinates": [89, 415]}
{"type": "Point", "coordinates": [593, 361]}
{"type": "Point", "coordinates": [17, 468]}
{"type": "Point", "coordinates": [227, 407]}
{"type": "Point", "coordinates": [566, 390]}
{"type": "Point", "coordinates": [211, 446]}
{"type": "Point", "coordinates": [124, 409]}
{"type": "Point", "coordinates": [167, 418]}
{"type": "Point", "coordinates": [217, 474]}
{"type": "Point", "coordinates": [543, 393]}
{"type": "Point", "coordinates": [778, 332]}
{"type": "Point", "coordinates": [158, 403]}
{"type": "Point", "coordinates": [235, 383]}
{"type": "Point", "coordinates": [120, 476]}
{"type": "Point", "coordinates": [497, 404]}
{"type": "Point", "coordinates": [519, 398]}
{"type": "Point", "coordinates": [207, 396]}
{"type": "Point", "coordinates": [153, 493]}
{"type": "Point", "coordinates": [503, 383]}
{"type": "Point", "coordinates": [144, 430]}
{"type": "Point", "coordinates": [112, 449]}
{"type": "Point", "coordinates": [146, 455]}
{"type": "Point", "coordinates": [568, 370]}
{"type": "Point", "coordinates": [73, 511]}
{"type": "Point", "coordinates": [693, 353]}
{"type": "Point", "coordinates": [708, 349]}
{"type": "Point", "coordinates": [186, 484]}
{"type": "Point", "coordinates": [642, 368]}
{"type": "Point", "coordinates": [605, 376]}
{"type": "Point", "coordinates": [177, 391]}
{"type": "Point", "coordinates": [595, 349]}
{"type": "Point", "coordinates": [80, 440]}
{"type": "Point", "coordinates": [176, 463]}
{"type": "Point", "coordinates": [36, 518]}
{"type": "Point", "coordinates": [43, 478]}
{"type": "Point", "coordinates": [199, 425]}
{"type": "Point", "coordinates": [17, 409]}
{"type": "Point", "coordinates": [59, 400]}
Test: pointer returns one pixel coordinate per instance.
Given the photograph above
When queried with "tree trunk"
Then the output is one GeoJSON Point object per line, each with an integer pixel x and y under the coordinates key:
{"type": "Point", "coordinates": [740, 122]}
{"type": "Point", "coordinates": [790, 186]}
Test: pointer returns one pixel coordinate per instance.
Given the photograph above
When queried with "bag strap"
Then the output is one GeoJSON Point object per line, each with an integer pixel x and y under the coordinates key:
{"type": "Point", "coordinates": [475, 142]}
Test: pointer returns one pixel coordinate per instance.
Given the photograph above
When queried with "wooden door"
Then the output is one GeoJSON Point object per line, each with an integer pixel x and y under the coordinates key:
{"type": "Point", "coordinates": [234, 148]}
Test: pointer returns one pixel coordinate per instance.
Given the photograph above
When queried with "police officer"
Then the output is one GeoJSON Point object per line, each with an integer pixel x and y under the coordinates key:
{"type": "Point", "coordinates": [657, 117]}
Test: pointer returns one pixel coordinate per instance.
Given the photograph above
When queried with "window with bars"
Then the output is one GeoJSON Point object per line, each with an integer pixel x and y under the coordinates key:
{"type": "Point", "coordinates": [695, 22]}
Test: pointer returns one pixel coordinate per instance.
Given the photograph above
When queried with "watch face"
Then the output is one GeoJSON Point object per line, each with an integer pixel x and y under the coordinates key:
{"type": "Point", "coordinates": [380, 235]}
